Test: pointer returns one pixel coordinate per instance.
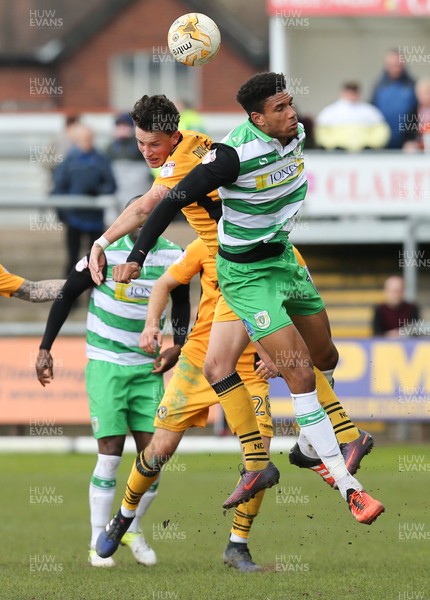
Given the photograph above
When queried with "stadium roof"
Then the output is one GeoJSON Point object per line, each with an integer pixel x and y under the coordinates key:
{"type": "Point", "coordinates": [42, 33]}
{"type": "Point", "coordinates": [32, 32]}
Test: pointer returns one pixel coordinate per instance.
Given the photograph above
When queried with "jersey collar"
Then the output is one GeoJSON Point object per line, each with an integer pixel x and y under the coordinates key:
{"type": "Point", "coordinates": [181, 137]}
{"type": "Point", "coordinates": [130, 243]}
{"type": "Point", "coordinates": [260, 134]}
{"type": "Point", "coordinates": [275, 143]}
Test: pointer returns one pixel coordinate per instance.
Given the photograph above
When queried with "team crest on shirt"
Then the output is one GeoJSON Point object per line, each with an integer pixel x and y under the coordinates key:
{"type": "Point", "coordinates": [162, 412]}
{"type": "Point", "coordinates": [297, 150]}
{"type": "Point", "coordinates": [262, 319]}
{"type": "Point", "coordinates": [167, 169]}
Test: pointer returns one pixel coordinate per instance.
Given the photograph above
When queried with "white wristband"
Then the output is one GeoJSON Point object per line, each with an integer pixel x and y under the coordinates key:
{"type": "Point", "coordinates": [103, 242]}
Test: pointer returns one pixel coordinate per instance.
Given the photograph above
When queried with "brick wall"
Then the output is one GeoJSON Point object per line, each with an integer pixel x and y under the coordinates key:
{"type": "Point", "coordinates": [84, 77]}
{"type": "Point", "coordinates": [29, 88]}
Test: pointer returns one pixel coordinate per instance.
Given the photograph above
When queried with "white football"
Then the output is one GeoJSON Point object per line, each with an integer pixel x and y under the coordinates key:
{"type": "Point", "coordinates": [194, 39]}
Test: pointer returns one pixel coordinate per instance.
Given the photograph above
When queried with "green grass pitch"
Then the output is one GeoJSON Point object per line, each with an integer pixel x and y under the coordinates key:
{"type": "Point", "coordinates": [305, 537]}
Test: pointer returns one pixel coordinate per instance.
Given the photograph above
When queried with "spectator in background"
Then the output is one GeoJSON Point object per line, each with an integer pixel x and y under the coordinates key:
{"type": "Point", "coordinates": [422, 128]}
{"type": "Point", "coordinates": [123, 146]}
{"type": "Point", "coordinates": [84, 171]}
{"type": "Point", "coordinates": [61, 144]}
{"type": "Point", "coordinates": [394, 95]}
{"type": "Point", "coordinates": [131, 174]}
{"type": "Point", "coordinates": [351, 124]}
{"type": "Point", "coordinates": [395, 315]}
{"type": "Point", "coordinates": [190, 118]}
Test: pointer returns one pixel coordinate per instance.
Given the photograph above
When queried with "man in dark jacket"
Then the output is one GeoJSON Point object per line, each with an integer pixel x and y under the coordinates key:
{"type": "Point", "coordinates": [394, 95]}
{"type": "Point", "coordinates": [84, 171]}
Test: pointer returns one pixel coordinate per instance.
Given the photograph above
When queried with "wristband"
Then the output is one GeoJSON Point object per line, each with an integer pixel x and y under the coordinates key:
{"type": "Point", "coordinates": [136, 256]}
{"type": "Point", "coordinates": [103, 242]}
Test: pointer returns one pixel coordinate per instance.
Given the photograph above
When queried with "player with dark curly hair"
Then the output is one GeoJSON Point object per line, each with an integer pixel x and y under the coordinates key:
{"type": "Point", "coordinates": [156, 113]}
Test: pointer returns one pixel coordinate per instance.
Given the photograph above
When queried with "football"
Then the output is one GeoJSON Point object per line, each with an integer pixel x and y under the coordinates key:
{"type": "Point", "coordinates": [194, 39]}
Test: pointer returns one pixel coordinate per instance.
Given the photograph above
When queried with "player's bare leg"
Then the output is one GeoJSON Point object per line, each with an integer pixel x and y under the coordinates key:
{"type": "Point", "coordinates": [227, 342]}
{"type": "Point", "coordinates": [316, 332]}
{"type": "Point", "coordinates": [290, 354]}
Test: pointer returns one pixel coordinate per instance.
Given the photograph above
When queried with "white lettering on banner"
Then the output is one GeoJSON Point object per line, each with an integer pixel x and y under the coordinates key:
{"type": "Point", "coordinates": [367, 185]}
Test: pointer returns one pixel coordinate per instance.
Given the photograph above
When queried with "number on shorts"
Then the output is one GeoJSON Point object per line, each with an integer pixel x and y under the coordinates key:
{"type": "Point", "coordinates": [258, 404]}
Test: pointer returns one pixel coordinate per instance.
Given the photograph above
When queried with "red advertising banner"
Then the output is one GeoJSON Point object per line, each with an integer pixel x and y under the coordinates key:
{"type": "Point", "coordinates": [23, 400]}
{"type": "Point", "coordinates": [358, 8]}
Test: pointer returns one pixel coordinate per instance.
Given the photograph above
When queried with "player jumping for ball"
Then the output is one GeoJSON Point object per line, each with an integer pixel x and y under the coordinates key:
{"type": "Point", "coordinates": [275, 141]}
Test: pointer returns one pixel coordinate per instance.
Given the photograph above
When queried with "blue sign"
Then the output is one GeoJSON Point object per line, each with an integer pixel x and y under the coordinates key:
{"type": "Point", "coordinates": [375, 379]}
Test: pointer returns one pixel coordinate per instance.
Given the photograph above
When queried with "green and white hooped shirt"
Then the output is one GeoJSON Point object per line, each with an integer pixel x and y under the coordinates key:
{"type": "Point", "coordinates": [261, 204]}
{"type": "Point", "coordinates": [117, 311]}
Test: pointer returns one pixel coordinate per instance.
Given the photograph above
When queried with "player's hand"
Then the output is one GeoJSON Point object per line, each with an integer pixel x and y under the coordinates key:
{"type": "Point", "coordinates": [167, 359]}
{"type": "Point", "coordinates": [44, 367]}
{"type": "Point", "coordinates": [96, 264]}
{"type": "Point", "coordinates": [266, 371]}
{"type": "Point", "coordinates": [151, 338]}
{"type": "Point", "coordinates": [126, 272]}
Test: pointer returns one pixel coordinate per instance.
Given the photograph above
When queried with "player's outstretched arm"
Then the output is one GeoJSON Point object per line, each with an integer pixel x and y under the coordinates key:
{"type": "Point", "coordinates": [131, 218]}
{"type": "Point", "coordinates": [156, 305]}
{"type": "Point", "coordinates": [39, 291]}
{"type": "Point", "coordinates": [78, 281]}
{"type": "Point", "coordinates": [180, 318]}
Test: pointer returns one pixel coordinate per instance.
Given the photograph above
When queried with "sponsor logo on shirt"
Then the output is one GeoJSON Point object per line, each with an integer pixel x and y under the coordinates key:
{"type": "Point", "coordinates": [132, 292]}
{"type": "Point", "coordinates": [281, 175]}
